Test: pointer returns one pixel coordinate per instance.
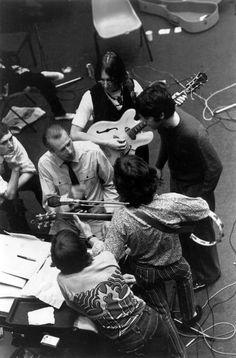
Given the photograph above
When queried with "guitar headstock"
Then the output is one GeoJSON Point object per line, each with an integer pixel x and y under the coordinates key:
{"type": "Point", "coordinates": [196, 82]}
{"type": "Point", "coordinates": [44, 220]}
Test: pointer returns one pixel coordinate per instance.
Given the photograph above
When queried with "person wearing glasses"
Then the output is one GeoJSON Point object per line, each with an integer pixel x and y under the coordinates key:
{"type": "Point", "coordinates": [114, 93]}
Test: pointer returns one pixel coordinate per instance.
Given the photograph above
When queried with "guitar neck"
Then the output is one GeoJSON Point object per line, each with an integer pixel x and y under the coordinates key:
{"type": "Point", "coordinates": [132, 132]}
{"type": "Point", "coordinates": [85, 216]}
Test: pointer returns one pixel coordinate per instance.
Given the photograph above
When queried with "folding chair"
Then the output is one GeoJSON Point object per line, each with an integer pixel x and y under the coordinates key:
{"type": "Point", "coordinates": [113, 18]}
{"type": "Point", "coordinates": [11, 45]}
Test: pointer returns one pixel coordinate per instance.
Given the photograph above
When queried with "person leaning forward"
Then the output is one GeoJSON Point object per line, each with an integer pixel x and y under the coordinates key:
{"type": "Point", "coordinates": [132, 327]}
{"type": "Point", "coordinates": [195, 169]}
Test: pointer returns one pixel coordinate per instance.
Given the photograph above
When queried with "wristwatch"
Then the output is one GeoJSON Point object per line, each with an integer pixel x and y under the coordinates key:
{"type": "Point", "coordinates": [89, 237]}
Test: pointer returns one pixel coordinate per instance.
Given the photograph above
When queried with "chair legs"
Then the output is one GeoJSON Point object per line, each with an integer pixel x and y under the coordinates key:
{"type": "Point", "coordinates": [146, 42]}
{"type": "Point", "coordinates": [27, 41]}
{"type": "Point", "coordinates": [31, 50]}
{"type": "Point", "coordinates": [142, 35]}
{"type": "Point", "coordinates": [95, 36]}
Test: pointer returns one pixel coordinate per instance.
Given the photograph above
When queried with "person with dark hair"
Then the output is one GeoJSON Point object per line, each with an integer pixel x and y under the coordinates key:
{"type": "Point", "coordinates": [195, 169]}
{"type": "Point", "coordinates": [114, 93]}
{"type": "Point", "coordinates": [12, 153]}
{"type": "Point", "coordinates": [149, 227]}
{"type": "Point", "coordinates": [132, 327]}
{"type": "Point", "coordinates": [17, 79]}
{"type": "Point", "coordinates": [78, 170]}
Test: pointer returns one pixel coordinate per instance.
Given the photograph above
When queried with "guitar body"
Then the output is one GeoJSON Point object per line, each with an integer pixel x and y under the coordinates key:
{"type": "Point", "coordinates": [109, 130]}
{"type": "Point", "coordinates": [130, 130]}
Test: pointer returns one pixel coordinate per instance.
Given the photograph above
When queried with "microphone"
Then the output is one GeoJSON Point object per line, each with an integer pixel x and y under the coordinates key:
{"type": "Point", "coordinates": [55, 201]}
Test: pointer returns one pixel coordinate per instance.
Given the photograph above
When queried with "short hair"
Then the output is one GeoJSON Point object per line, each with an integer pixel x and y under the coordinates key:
{"type": "Point", "coordinates": [113, 65]}
{"type": "Point", "coordinates": [53, 132]}
{"type": "Point", "coordinates": [135, 181]}
{"type": "Point", "coordinates": [155, 100]}
{"type": "Point", "coordinates": [3, 129]}
{"type": "Point", "coordinates": [69, 252]}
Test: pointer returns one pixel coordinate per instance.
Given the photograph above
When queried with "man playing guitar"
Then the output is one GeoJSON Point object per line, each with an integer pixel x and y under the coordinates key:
{"type": "Point", "coordinates": [112, 95]}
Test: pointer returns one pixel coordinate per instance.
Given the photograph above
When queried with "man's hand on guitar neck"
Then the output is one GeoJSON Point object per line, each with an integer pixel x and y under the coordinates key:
{"type": "Point", "coordinates": [179, 98]}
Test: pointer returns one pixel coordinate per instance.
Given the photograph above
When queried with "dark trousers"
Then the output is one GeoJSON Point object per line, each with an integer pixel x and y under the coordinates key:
{"type": "Point", "coordinates": [15, 209]}
{"type": "Point", "coordinates": [153, 335]}
{"type": "Point", "coordinates": [33, 184]}
{"type": "Point", "coordinates": [15, 216]}
{"type": "Point", "coordinates": [203, 260]}
{"type": "Point", "coordinates": [43, 84]}
{"type": "Point", "coordinates": [143, 152]}
{"type": "Point", "coordinates": [151, 280]}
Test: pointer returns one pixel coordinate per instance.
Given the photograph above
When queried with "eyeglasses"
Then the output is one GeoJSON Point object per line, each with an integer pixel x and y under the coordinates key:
{"type": "Point", "coordinates": [107, 80]}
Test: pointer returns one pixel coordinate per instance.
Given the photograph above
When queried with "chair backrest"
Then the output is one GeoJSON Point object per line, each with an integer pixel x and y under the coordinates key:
{"type": "Point", "coordinates": [114, 17]}
{"type": "Point", "coordinates": [108, 8]}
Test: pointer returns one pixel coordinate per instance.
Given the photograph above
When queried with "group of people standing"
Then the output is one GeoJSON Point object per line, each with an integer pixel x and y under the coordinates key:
{"type": "Point", "coordinates": [150, 232]}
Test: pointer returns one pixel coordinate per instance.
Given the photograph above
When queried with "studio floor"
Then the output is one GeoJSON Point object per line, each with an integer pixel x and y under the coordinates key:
{"type": "Point", "coordinates": [62, 33]}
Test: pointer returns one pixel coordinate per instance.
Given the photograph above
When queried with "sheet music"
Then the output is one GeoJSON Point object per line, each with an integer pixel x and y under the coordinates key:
{"type": "Point", "coordinates": [15, 270]}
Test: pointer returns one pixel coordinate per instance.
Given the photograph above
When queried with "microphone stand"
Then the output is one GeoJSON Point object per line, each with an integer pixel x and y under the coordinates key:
{"type": "Point", "coordinates": [220, 110]}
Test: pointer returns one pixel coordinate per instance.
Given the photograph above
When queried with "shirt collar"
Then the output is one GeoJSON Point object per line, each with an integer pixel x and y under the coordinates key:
{"type": "Point", "coordinates": [60, 162]}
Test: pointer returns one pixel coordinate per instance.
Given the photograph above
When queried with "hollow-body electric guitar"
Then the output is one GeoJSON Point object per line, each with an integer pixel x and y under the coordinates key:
{"type": "Point", "coordinates": [132, 130]}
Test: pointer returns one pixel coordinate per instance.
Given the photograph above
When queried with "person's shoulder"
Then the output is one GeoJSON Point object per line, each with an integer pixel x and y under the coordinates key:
{"type": "Point", "coordinates": [189, 124]}
{"type": "Point", "coordinates": [45, 157]}
{"type": "Point", "coordinates": [105, 256]}
{"type": "Point", "coordinates": [86, 146]}
{"type": "Point", "coordinates": [121, 215]}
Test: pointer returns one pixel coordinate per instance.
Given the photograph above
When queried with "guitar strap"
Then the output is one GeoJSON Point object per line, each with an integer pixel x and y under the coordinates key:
{"type": "Point", "coordinates": [183, 227]}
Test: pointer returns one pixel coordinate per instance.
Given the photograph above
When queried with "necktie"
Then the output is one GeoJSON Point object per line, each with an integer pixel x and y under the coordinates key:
{"type": "Point", "coordinates": [73, 177]}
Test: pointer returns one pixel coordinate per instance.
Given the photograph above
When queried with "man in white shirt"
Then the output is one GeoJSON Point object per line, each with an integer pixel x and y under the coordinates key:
{"type": "Point", "coordinates": [93, 172]}
{"type": "Point", "coordinates": [113, 94]}
{"type": "Point", "coordinates": [12, 154]}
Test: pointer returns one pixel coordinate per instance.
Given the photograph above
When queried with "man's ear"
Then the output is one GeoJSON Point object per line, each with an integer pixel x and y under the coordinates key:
{"type": "Point", "coordinates": [162, 116]}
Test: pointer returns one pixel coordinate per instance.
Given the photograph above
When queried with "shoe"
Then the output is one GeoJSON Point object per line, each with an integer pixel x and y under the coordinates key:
{"type": "Point", "coordinates": [65, 116]}
{"type": "Point", "coordinates": [197, 286]}
{"type": "Point", "coordinates": [195, 319]}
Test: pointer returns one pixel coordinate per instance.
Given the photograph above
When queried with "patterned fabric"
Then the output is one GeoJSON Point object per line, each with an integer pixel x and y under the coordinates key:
{"type": "Point", "coordinates": [100, 293]}
{"type": "Point", "coordinates": [148, 245]}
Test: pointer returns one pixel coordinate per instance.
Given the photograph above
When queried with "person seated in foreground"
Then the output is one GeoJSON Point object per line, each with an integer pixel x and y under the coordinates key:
{"type": "Point", "coordinates": [12, 154]}
{"type": "Point", "coordinates": [95, 287]}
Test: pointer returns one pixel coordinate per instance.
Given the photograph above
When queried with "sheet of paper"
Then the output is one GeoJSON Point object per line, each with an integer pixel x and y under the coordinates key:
{"type": "Point", "coordinates": [10, 250]}
{"type": "Point", "coordinates": [20, 267]}
{"type": "Point", "coordinates": [44, 286]}
{"type": "Point", "coordinates": [12, 280]}
{"type": "Point", "coordinates": [7, 291]}
{"type": "Point", "coordinates": [41, 316]}
{"type": "Point", "coordinates": [23, 236]}
{"type": "Point", "coordinates": [5, 304]}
